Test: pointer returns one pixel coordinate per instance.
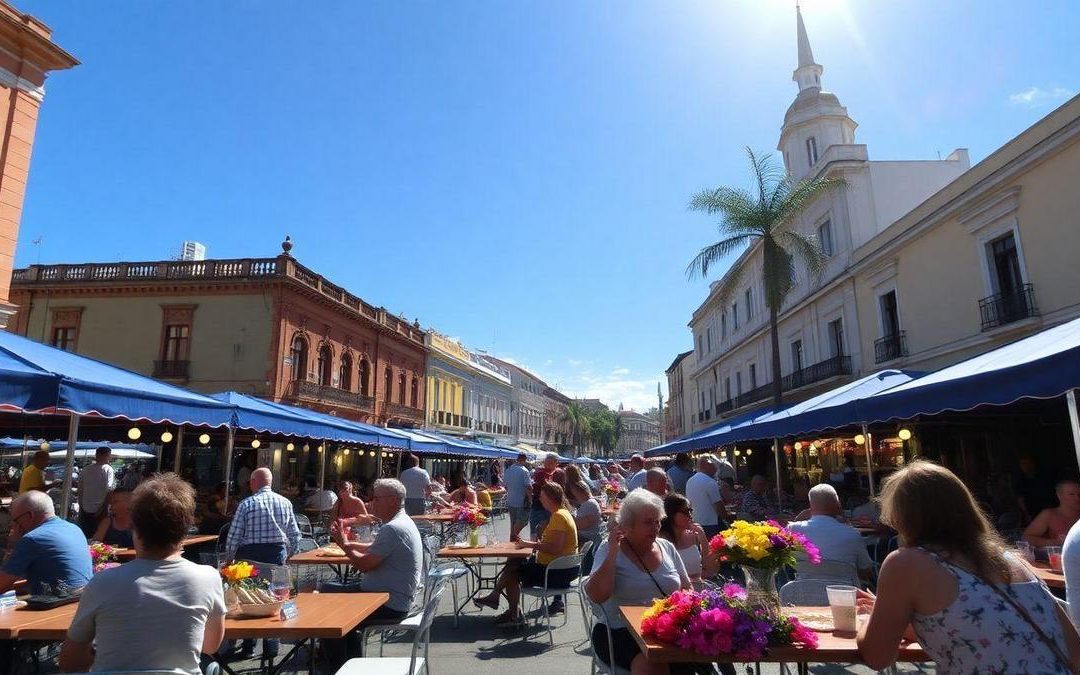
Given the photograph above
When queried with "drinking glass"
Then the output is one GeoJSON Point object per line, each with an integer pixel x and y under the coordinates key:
{"type": "Point", "coordinates": [281, 582]}
{"type": "Point", "coordinates": [1053, 556]}
{"type": "Point", "coordinates": [842, 604]}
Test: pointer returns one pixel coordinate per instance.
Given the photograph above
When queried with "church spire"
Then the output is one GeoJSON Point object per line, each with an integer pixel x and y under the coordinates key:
{"type": "Point", "coordinates": [808, 74]}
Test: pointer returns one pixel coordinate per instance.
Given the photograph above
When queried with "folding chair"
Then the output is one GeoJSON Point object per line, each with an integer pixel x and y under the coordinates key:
{"type": "Point", "coordinates": [544, 592]}
{"type": "Point", "coordinates": [414, 665]}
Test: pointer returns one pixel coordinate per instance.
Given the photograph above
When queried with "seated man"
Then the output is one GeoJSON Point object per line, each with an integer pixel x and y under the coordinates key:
{"type": "Point", "coordinates": [50, 553]}
{"type": "Point", "coordinates": [1051, 525]}
{"type": "Point", "coordinates": [176, 606]}
{"type": "Point", "coordinates": [756, 500]}
{"type": "Point", "coordinates": [392, 564]}
{"type": "Point", "coordinates": [837, 542]}
{"type": "Point", "coordinates": [320, 500]}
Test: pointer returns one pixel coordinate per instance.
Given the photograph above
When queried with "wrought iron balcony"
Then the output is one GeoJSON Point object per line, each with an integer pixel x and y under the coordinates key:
{"type": "Point", "coordinates": [171, 370]}
{"type": "Point", "coordinates": [1003, 308]}
{"type": "Point", "coordinates": [402, 411]}
{"type": "Point", "coordinates": [890, 347]}
{"type": "Point", "coordinates": [725, 406]}
{"type": "Point", "coordinates": [303, 390]}
{"type": "Point", "coordinates": [822, 370]}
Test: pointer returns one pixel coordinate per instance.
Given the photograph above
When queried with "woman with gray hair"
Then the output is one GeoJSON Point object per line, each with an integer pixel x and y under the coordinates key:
{"type": "Point", "coordinates": [633, 567]}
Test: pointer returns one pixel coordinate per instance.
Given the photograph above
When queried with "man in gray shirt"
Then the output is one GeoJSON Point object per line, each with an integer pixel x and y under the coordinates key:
{"type": "Point", "coordinates": [518, 482]}
{"type": "Point", "coordinates": [390, 564]}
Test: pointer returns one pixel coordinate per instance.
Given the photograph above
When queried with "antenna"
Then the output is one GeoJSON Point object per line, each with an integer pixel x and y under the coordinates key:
{"type": "Point", "coordinates": [37, 247]}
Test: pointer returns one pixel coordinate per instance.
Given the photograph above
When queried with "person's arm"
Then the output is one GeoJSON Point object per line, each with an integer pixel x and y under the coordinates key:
{"type": "Point", "coordinates": [864, 565]}
{"type": "Point", "coordinates": [101, 529]}
{"type": "Point", "coordinates": [1036, 532]}
{"type": "Point", "coordinates": [893, 607]}
{"type": "Point", "coordinates": [78, 657]}
{"type": "Point", "coordinates": [213, 633]}
{"type": "Point", "coordinates": [292, 531]}
{"type": "Point", "coordinates": [7, 582]}
{"type": "Point", "coordinates": [77, 652]}
{"type": "Point", "coordinates": [710, 563]}
{"type": "Point", "coordinates": [602, 580]}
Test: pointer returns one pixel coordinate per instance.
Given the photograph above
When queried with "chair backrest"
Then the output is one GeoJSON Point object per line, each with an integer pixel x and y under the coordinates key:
{"type": "Point", "coordinates": [805, 593]}
{"type": "Point", "coordinates": [597, 614]}
{"type": "Point", "coordinates": [565, 562]}
{"type": "Point", "coordinates": [304, 523]}
{"type": "Point", "coordinates": [833, 570]}
{"type": "Point", "coordinates": [423, 632]}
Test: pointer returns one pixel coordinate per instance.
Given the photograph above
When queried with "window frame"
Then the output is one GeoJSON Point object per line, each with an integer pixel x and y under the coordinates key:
{"type": "Point", "coordinates": [812, 155]}
{"type": "Point", "coordinates": [826, 226]}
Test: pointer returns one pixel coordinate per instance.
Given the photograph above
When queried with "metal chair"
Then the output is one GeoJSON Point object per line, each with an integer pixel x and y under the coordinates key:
{"type": "Point", "coordinates": [446, 570]}
{"type": "Point", "coordinates": [412, 621]}
{"type": "Point", "coordinates": [566, 562]}
{"type": "Point", "coordinates": [583, 551]}
{"type": "Point", "coordinates": [805, 593]}
{"type": "Point", "coordinates": [414, 664]}
{"type": "Point", "coordinates": [597, 614]}
{"type": "Point", "coordinates": [835, 571]}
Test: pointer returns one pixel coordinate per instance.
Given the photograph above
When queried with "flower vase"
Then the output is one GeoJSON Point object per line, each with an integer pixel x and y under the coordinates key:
{"type": "Point", "coordinates": [474, 537]}
{"type": "Point", "coordinates": [761, 588]}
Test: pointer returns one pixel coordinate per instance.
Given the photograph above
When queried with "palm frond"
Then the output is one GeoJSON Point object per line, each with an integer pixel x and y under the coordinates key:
{"type": "Point", "coordinates": [805, 248]}
{"type": "Point", "coordinates": [714, 253]}
{"type": "Point", "coordinates": [766, 174]}
{"type": "Point", "coordinates": [729, 286]}
{"type": "Point", "coordinates": [801, 194]}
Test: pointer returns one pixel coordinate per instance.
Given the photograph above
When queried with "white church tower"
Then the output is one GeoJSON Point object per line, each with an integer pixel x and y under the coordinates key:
{"type": "Point", "coordinates": [815, 121]}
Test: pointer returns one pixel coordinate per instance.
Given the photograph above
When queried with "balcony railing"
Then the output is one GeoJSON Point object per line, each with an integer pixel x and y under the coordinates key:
{"type": "Point", "coordinates": [403, 411]}
{"type": "Point", "coordinates": [321, 393]}
{"type": "Point", "coordinates": [890, 347]}
{"type": "Point", "coordinates": [1003, 308]}
{"type": "Point", "coordinates": [822, 370]}
{"type": "Point", "coordinates": [171, 370]}
{"type": "Point", "coordinates": [725, 406]}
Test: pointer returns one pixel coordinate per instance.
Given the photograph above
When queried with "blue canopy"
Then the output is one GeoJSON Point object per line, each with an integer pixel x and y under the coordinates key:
{"type": "Point", "coordinates": [1043, 366]}
{"type": "Point", "coordinates": [39, 378]}
{"type": "Point", "coordinates": [264, 416]}
{"type": "Point", "coordinates": [711, 436]}
{"type": "Point", "coordinates": [472, 448]}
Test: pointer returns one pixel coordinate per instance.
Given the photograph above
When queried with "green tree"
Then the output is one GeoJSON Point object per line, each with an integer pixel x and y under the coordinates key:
{"type": "Point", "coordinates": [576, 418]}
{"type": "Point", "coordinates": [605, 429]}
{"type": "Point", "coordinates": [764, 217]}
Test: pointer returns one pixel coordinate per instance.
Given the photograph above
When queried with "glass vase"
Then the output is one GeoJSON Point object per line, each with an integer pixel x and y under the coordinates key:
{"type": "Point", "coordinates": [474, 537]}
{"type": "Point", "coordinates": [761, 588]}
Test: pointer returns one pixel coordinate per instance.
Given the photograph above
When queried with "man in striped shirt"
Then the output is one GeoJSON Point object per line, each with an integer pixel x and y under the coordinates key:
{"type": "Point", "coordinates": [263, 530]}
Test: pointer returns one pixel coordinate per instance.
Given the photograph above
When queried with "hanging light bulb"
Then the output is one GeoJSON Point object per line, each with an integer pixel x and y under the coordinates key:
{"type": "Point", "coordinates": [290, 447]}
{"type": "Point", "coordinates": [306, 447]}
{"type": "Point", "coordinates": [134, 433]}
{"type": "Point", "coordinates": [321, 448]}
{"type": "Point", "coordinates": [255, 443]}
{"type": "Point", "coordinates": [204, 439]}
{"type": "Point", "coordinates": [166, 437]}
{"type": "Point", "coordinates": [371, 454]}
{"type": "Point", "coordinates": [345, 452]}
{"type": "Point", "coordinates": [737, 453]}
{"type": "Point", "coordinates": [798, 445]}
{"type": "Point", "coordinates": [860, 439]}
{"type": "Point", "coordinates": [749, 452]}
{"type": "Point", "coordinates": [904, 434]}
{"type": "Point", "coordinates": [45, 445]}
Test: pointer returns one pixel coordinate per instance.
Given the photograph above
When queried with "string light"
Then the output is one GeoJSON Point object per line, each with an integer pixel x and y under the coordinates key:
{"type": "Point", "coordinates": [166, 437]}
{"type": "Point", "coordinates": [320, 448]}
{"type": "Point", "coordinates": [749, 452]}
{"type": "Point", "coordinates": [204, 439]}
{"type": "Point", "coordinates": [255, 443]}
{"type": "Point", "coordinates": [904, 434]}
{"type": "Point", "coordinates": [798, 445]}
{"type": "Point", "coordinates": [860, 439]}
{"type": "Point", "coordinates": [346, 452]}
{"type": "Point", "coordinates": [371, 454]}
{"type": "Point", "coordinates": [134, 433]}
{"type": "Point", "coordinates": [45, 445]}
{"type": "Point", "coordinates": [290, 447]}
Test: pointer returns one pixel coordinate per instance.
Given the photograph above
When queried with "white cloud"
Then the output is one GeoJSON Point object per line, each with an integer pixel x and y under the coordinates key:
{"type": "Point", "coordinates": [575, 362]}
{"type": "Point", "coordinates": [1038, 96]}
{"type": "Point", "coordinates": [621, 371]}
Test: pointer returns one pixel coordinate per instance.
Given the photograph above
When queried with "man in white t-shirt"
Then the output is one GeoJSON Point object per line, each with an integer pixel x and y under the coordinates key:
{"type": "Point", "coordinates": [416, 482]}
{"type": "Point", "coordinates": [95, 483]}
{"type": "Point", "coordinates": [837, 541]}
{"type": "Point", "coordinates": [704, 494]}
{"type": "Point", "coordinates": [175, 607]}
{"type": "Point", "coordinates": [518, 484]}
{"type": "Point", "coordinates": [637, 473]}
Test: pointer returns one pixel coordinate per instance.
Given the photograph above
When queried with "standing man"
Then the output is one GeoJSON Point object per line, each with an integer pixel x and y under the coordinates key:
{"type": "Point", "coordinates": [680, 472]}
{"type": "Point", "coordinates": [416, 482]}
{"type": "Point", "coordinates": [704, 494]}
{"type": "Point", "coordinates": [33, 476]}
{"type": "Point", "coordinates": [538, 515]}
{"type": "Point", "coordinates": [656, 482]}
{"type": "Point", "coordinates": [517, 494]}
{"type": "Point", "coordinates": [263, 530]}
{"type": "Point", "coordinates": [391, 564]}
{"type": "Point", "coordinates": [95, 483]}
{"type": "Point", "coordinates": [637, 473]}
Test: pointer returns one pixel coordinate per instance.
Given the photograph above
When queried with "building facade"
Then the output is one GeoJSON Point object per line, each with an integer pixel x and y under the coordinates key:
{"type": "Point", "coordinates": [468, 394]}
{"type": "Point", "coordinates": [526, 404]}
{"type": "Point", "coordinates": [263, 326]}
{"type": "Point", "coordinates": [557, 435]}
{"type": "Point", "coordinates": [27, 55]}
{"type": "Point", "coordinates": [821, 344]}
{"type": "Point", "coordinates": [638, 432]}
{"type": "Point", "coordinates": [675, 419]}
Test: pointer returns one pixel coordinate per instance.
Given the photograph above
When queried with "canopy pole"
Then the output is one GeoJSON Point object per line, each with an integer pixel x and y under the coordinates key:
{"type": "Point", "coordinates": [779, 482]}
{"type": "Point", "coordinates": [400, 453]}
{"type": "Point", "coordinates": [869, 459]}
{"type": "Point", "coordinates": [1074, 421]}
{"type": "Point", "coordinates": [228, 466]}
{"type": "Point", "coordinates": [25, 448]}
{"type": "Point", "coordinates": [69, 465]}
{"type": "Point", "coordinates": [322, 466]}
{"type": "Point", "coordinates": [179, 447]}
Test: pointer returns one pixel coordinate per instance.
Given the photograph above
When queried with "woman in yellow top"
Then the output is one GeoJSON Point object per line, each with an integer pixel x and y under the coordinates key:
{"type": "Point", "coordinates": [559, 539]}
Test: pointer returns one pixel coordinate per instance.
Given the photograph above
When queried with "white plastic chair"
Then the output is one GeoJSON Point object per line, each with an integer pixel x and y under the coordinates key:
{"type": "Point", "coordinates": [596, 612]}
{"type": "Point", "coordinates": [836, 571]}
{"type": "Point", "coordinates": [414, 664]}
{"type": "Point", "coordinates": [584, 553]}
{"type": "Point", "coordinates": [446, 570]}
{"type": "Point", "coordinates": [805, 593]}
{"type": "Point", "coordinates": [412, 622]}
{"type": "Point", "coordinates": [566, 562]}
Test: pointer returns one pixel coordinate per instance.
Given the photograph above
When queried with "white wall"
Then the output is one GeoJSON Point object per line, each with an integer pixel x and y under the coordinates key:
{"type": "Point", "coordinates": [898, 187]}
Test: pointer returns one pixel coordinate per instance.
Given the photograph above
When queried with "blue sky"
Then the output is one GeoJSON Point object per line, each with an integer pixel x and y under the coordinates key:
{"type": "Point", "coordinates": [514, 174]}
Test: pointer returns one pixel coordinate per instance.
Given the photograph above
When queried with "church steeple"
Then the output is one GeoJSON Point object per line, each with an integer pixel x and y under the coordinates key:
{"type": "Point", "coordinates": [808, 74]}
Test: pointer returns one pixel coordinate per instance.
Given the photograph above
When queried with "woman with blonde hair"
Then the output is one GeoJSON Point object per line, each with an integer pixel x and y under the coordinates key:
{"type": "Point", "coordinates": [975, 607]}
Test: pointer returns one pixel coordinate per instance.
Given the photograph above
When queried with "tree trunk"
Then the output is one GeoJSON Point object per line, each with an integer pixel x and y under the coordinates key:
{"type": "Point", "coordinates": [774, 335]}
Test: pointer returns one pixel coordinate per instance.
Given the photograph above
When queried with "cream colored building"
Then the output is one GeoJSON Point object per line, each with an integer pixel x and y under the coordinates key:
{"type": "Point", "coordinates": [820, 340]}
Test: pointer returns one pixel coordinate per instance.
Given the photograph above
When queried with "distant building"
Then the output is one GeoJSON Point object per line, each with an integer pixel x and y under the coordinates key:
{"type": "Point", "coordinates": [638, 432]}
{"type": "Point", "coordinates": [526, 405]}
{"type": "Point", "coordinates": [676, 420]}
{"type": "Point", "coordinates": [27, 55]}
{"type": "Point", "coordinates": [468, 394]}
{"type": "Point", "coordinates": [592, 404]}
{"type": "Point", "coordinates": [557, 435]}
{"type": "Point", "coordinates": [192, 250]}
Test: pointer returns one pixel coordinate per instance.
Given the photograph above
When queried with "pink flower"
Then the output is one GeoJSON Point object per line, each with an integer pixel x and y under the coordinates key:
{"type": "Point", "coordinates": [734, 591]}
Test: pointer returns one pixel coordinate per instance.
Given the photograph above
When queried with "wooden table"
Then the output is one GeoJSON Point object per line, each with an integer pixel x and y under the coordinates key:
{"type": "Point", "coordinates": [14, 621]}
{"type": "Point", "coordinates": [338, 563]}
{"type": "Point", "coordinates": [126, 554]}
{"type": "Point", "coordinates": [832, 647]}
{"type": "Point", "coordinates": [443, 520]}
{"type": "Point", "coordinates": [1050, 577]}
{"type": "Point", "coordinates": [320, 616]}
{"type": "Point", "coordinates": [471, 558]}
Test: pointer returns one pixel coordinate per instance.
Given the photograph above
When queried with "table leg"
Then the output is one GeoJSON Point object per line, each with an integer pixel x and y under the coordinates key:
{"type": "Point", "coordinates": [275, 670]}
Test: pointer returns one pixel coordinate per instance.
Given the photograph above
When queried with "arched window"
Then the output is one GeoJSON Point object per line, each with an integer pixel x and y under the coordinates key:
{"type": "Point", "coordinates": [811, 151]}
{"type": "Point", "coordinates": [326, 365]}
{"type": "Point", "coordinates": [345, 373]}
{"type": "Point", "coordinates": [415, 393]}
{"type": "Point", "coordinates": [401, 388]}
{"type": "Point", "coordinates": [298, 354]}
{"type": "Point", "coordinates": [388, 384]}
{"type": "Point", "coordinates": [365, 377]}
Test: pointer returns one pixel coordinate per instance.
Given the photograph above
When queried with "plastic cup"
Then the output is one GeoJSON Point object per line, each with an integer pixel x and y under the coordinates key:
{"type": "Point", "coordinates": [842, 604]}
{"type": "Point", "coordinates": [1053, 556]}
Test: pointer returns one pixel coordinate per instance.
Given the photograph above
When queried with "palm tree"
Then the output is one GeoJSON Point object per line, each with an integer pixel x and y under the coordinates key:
{"type": "Point", "coordinates": [766, 218]}
{"type": "Point", "coordinates": [576, 417]}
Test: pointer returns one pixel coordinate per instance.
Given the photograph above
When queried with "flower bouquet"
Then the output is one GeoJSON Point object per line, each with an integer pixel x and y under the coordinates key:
{"type": "Point", "coordinates": [722, 623]}
{"type": "Point", "coordinates": [472, 517]}
{"type": "Point", "coordinates": [246, 595]}
{"type": "Point", "coordinates": [611, 488]}
{"type": "Point", "coordinates": [102, 556]}
{"type": "Point", "coordinates": [762, 548]}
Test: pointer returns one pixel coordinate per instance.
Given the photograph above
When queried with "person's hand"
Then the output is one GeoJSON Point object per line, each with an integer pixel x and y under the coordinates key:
{"type": "Point", "coordinates": [521, 543]}
{"type": "Point", "coordinates": [698, 531]}
{"type": "Point", "coordinates": [864, 600]}
{"type": "Point", "coordinates": [337, 534]}
{"type": "Point", "coordinates": [615, 538]}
